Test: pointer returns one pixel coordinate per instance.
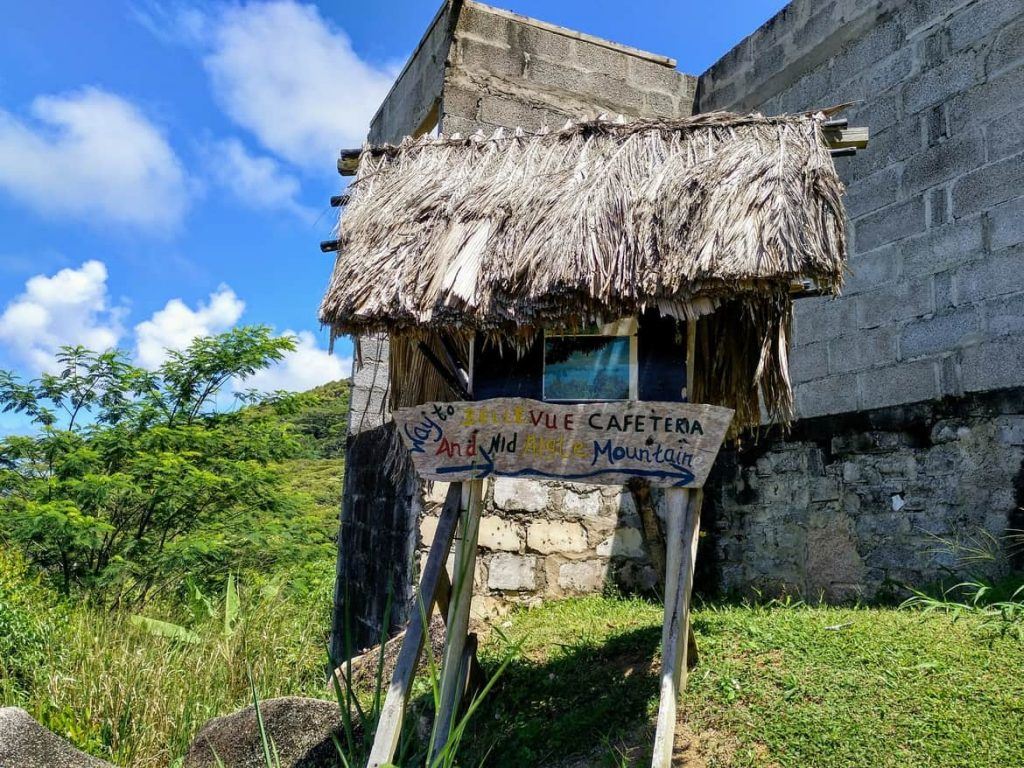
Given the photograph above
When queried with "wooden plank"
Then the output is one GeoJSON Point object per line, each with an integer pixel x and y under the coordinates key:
{"type": "Point", "coordinates": [458, 618]}
{"type": "Point", "coordinates": [683, 527]}
{"type": "Point", "coordinates": [389, 726]}
{"type": "Point", "coordinates": [840, 137]}
{"type": "Point", "coordinates": [477, 676]}
{"type": "Point", "coordinates": [669, 444]}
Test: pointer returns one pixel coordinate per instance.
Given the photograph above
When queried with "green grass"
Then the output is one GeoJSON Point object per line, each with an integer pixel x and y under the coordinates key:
{"type": "Point", "coordinates": [776, 686]}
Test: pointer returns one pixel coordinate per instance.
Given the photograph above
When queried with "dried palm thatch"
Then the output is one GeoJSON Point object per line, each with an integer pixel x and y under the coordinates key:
{"type": "Point", "coordinates": [714, 215]}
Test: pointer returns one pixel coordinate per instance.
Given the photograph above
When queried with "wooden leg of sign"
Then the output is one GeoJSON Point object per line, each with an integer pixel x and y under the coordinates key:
{"type": "Point", "coordinates": [458, 618]}
{"type": "Point", "coordinates": [477, 676]}
{"type": "Point", "coordinates": [681, 547]}
{"type": "Point", "coordinates": [389, 726]}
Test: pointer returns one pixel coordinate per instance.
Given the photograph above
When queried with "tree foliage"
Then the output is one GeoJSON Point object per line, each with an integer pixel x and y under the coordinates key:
{"type": "Point", "coordinates": [137, 479]}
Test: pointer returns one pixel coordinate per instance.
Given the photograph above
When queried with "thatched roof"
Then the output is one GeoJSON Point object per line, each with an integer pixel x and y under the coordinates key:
{"type": "Point", "coordinates": [714, 215]}
{"type": "Point", "coordinates": [598, 219]}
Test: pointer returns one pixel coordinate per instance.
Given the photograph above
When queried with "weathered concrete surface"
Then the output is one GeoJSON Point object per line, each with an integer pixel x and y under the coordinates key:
{"type": "Point", "coordinates": [380, 506]}
{"type": "Point", "coordinates": [854, 506]}
{"type": "Point", "coordinates": [936, 202]}
{"type": "Point", "coordinates": [858, 506]}
{"type": "Point", "coordinates": [302, 731]}
{"type": "Point", "coordinates": [24, 743]}
{"type": "Point", "coordinates": [507, 70]}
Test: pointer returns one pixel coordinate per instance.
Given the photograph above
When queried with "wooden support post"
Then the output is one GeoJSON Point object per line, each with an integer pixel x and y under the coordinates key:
{"type": "Point", "coordinates": [389, 726]}
{"type": "Point", "coordinates": [458, 618]}
{"type": "Point", "coordinates": [681, 546]}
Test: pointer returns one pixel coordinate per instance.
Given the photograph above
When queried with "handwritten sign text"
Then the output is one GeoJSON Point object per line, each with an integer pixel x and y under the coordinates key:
{"type": "Point", "coordinates": [669, 444]}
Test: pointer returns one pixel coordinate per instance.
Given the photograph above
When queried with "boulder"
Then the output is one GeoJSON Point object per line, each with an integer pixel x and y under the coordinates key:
{"type": "Point", "coordinates": [24, 743]}
{"type": "Point", "coordinates": [302, 731]}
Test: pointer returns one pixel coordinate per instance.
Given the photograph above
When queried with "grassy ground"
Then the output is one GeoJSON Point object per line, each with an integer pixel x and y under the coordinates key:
{"type": "Point", "coordinates": [776, 686]}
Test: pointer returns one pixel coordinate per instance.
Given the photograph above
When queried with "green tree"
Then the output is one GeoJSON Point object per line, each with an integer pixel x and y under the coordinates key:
{"type": "Point", "coordinates": [136, 479]}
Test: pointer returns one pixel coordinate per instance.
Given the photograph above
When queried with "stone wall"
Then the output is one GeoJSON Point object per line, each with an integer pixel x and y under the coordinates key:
{"type": "Point", "coordinates": [857, 506]}
{"type": "Point", "coordinates": [546, 540]}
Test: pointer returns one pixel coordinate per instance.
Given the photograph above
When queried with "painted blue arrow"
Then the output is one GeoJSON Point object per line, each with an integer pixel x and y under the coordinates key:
{"type": "Point", "coordinates": [682, 475]}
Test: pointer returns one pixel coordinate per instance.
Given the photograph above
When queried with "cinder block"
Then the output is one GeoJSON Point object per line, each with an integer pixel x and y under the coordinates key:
{"type": "Point", "coordinates": [558, 76]}
{"type": "Point", "coordinates": [649, 76]}
{"type": "Point", "coordinates": [944, 161]}
{"type": "Point", "coordinates": [864, 349]}
{"type": "Point", "coordinates": [872, 192]}
{"type": "Point", "coordinates": [978, 20]}
{"type": "Point", "coordinates": [598, 58]}
{"type": "Point", "coordinates": [491, 58]}
{"type": "Point", "coordinates": [890, 146]}
{"type": "Point", "coordinates": [899, 384]}
{"type": "Point", "coordinates": [1004, 134]}
{"type": "Point", "coordinates": [940, 83]}
{"type": "Point", "coordinates": [943, 247]}
{"type": "Point", "coordinates": [808, 362]}
{"type": "Point", "coordinates": [995, 275]}
{"type": "Point", "coordinates": [822, 22]}
{"type": "Point", "coordinates": [872, 269]}
{"type": "Point", "coordinates": [510, 113]}
{"type": "Point", "coordinates": [542, 42]}
{"type": "Point", "coordinates": [834, 394]}
{"type": "Point", "coordinates": [615, 90]}
{"type": "Point", "coordinates": [941, 333]}
{"type": "Point", "coordinates": [478, 21]}
{"type": "Point", "coordinates": [1006, 224]}
{"type": "Point", "coordinates": [1008, 47]}
{"type": "Point", "coordinates": [988, 186]}
{"type": "Point", "coordinates": [937, 206]}
{"type": "Point", "coordinates": [921, 14]}
{"type": "Point", "coordinates": [1004, 316]}
{"type": "Point", "coordinates": [997, 364]}
{"type": "Point", "coordinates": [995, 97]}
{"type": "Point", "coordinates": [810, 91]}
{"type": "Point", "coordinates": [891, 303]}
{"type": "Point", "coordinates": [889, 224]}
{"type": "Point", "coordinates": [822, 318]}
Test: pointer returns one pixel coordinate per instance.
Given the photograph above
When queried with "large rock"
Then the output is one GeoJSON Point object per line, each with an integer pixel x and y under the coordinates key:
{"type": "Point", "coordinates": [24, 743]}
{"type": "Point", "coordinates": [301, 729]}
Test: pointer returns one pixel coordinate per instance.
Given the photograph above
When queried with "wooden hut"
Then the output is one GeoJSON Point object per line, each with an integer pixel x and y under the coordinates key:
{"type": "Point", "coordinates": [669, 251]}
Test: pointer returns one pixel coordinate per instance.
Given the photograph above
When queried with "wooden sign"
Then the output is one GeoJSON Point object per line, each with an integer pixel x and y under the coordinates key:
{"type": "Point", "coordinates": [669, 444]}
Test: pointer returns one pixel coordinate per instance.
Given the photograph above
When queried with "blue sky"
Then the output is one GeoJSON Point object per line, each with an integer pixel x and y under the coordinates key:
{"type": "Point", "coordinates": [165, 167]}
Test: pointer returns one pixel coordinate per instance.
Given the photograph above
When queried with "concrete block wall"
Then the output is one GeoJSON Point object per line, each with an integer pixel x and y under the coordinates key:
{"type": "Point", "coordinates": [506, 70]}
{"type": "Point", "coordinates": [935, 204]}
{"type": "Point", "coordinates": [909, 385]}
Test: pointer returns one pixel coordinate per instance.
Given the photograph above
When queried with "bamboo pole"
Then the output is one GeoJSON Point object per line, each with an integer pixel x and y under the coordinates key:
{"type": "Point", "coordinates": [683, 527]}
{"type": "Point", "coordinates": [458, 617]}
{"type": "Point", "coordinates": [389, 725]}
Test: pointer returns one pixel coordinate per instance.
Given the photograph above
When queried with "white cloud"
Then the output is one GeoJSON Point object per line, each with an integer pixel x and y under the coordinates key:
{"type": "Point", "coordinates": [70, 308]}
{"type": "Point", "coordinates": [307, 367]}
{"type": "Point", "coordinates": [176, 325]}
{"type": "Point", "coordinates": [283, 72]}
{"type": "Point", "coordinates": [256, 181]}
{"type": "Point", "coordinates": [92, 155]}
